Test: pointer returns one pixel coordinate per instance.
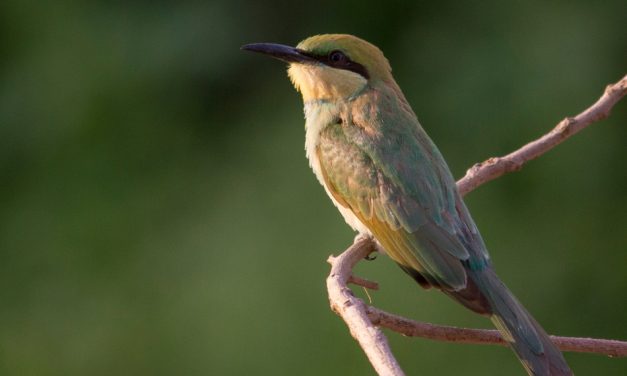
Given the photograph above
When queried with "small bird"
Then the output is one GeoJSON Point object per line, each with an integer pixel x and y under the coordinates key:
{"type": "Point", "coordinates": [389, 181]}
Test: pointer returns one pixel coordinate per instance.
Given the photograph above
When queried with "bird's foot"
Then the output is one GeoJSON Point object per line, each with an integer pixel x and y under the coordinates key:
{"type": "Point", "coordinates": [376, 246]}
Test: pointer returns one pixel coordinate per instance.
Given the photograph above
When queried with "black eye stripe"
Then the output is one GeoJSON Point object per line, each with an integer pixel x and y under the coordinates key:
{"type": "Point", "coordinates": [338, 59]}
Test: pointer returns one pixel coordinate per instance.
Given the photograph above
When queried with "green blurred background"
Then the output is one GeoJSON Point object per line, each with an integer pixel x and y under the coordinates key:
{"type": "Point", "coordinates": [158, 216]}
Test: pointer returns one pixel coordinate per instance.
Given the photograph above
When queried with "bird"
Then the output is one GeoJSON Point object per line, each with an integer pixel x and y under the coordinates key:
{"type": "Point", "coordinates": [390, 181]}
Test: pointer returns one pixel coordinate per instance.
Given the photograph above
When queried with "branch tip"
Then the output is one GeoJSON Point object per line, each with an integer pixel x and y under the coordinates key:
{"type": "Point", "coordinates": [371, 285]}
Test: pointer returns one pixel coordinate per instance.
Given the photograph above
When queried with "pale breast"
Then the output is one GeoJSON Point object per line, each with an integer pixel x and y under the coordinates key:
{"type": "Point", "coordinates": [320, 114]}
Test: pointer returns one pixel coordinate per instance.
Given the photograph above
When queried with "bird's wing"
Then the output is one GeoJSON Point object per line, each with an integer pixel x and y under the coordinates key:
{"type": "Point", "coordinates": [397, 183]}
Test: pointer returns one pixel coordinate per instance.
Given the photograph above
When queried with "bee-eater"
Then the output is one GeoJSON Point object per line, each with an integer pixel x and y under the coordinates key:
{"type": "Point", "coordinates": [389, 180]}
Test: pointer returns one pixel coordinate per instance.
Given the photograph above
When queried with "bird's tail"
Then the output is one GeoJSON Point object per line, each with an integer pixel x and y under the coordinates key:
{"type": "Point", "coordinates": [529, 341]}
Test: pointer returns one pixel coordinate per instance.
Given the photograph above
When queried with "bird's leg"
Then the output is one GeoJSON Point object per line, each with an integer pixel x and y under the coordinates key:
{"type": "Point", "coordinates": [377, 247]}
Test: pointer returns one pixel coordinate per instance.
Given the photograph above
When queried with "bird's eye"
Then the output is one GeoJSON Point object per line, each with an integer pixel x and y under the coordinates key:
{"type": "Point", "coordinates": [337, 57]}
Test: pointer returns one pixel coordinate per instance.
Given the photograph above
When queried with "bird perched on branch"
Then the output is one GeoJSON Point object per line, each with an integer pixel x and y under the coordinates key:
{"type": "Point", "coordinates": [389, 180]}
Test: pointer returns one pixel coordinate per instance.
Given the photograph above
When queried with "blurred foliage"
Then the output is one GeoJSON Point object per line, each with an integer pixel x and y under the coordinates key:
{"type": "Point", "coordinates": [158, 216]}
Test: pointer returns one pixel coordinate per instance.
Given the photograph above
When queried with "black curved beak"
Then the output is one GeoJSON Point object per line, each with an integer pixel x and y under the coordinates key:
{"type": "Point", "coordinates": [281, 52]}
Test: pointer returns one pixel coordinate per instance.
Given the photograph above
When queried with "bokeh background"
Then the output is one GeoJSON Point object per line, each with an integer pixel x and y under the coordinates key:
{"type": "Point", "coordinates": [158, 216]}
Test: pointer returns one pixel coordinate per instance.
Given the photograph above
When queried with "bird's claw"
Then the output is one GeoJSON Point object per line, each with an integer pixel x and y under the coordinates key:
{"type": "Point", "coordinates": [371, 257]}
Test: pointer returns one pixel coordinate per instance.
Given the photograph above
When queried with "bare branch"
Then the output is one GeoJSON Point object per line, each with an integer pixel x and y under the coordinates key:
{"type": "Point", "coordinates": [341, 296]}
{"type": "Point", "coordinates": [353, 310]}
{"type": "Point", "coordinates": [444, 333]}
{"type": "Point", "coordinates": [364, 321]}
{"type": "Point", "coordinates": [371, 285]}
{"type": "Point", "coordinates": [492, 168]}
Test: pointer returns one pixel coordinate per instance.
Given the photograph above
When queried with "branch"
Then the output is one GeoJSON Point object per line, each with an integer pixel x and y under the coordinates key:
{"type": "Point", "coordinates": [353, 310]}
{"type": "Point", "coordinates": [494, 167]}
{"type": "Point", "coordinates": [444, 333]}
{"type": "Point", "coordinates": [364, 321]}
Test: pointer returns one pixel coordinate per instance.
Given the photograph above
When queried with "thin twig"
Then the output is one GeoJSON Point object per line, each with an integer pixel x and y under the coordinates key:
{"type": "Point", "coordinates": [494, 167]}
{"type": "Point", "coordinates": [371, 285]}
{"type": "Point", "coordinates": [445, 333]}
{"type": "Point", "coordinates": [363, 320]}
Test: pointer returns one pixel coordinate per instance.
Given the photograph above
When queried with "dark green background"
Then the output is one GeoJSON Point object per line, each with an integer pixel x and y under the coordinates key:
{"type": "Point", "coordinates": [158, 216]}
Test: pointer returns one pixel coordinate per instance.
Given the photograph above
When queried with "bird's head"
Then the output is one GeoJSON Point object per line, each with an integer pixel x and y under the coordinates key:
{"type": "Point", "coordinates": [330, 66]}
